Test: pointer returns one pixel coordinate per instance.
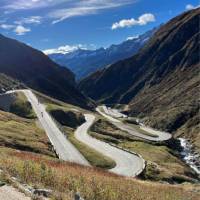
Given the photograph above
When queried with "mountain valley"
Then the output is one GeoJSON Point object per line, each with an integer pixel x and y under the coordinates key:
{"type": "Point", "coordinates": [116, 123]}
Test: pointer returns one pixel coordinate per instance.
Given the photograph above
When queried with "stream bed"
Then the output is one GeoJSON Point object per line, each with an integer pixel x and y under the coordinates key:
{"type": "Point", "coordinates": [189, 155]}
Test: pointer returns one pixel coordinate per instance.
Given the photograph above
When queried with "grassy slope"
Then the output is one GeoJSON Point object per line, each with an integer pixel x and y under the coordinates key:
{"type": "Point", "coordinates": [8, 83]}
{"type": "Point", "coordinates": [66, 116]}
{"type": "Point", "coordinates": [66, 179]}
{"type": "Point", "coordinates": [162, 164]}
{"type": "Point", "coordinates": [23, 134]}
{"type": "Point", "coordinates": [132, 122]}
{"type": "Point", "coordinates": [137, 128]}
{"type": "Point", "coordinates": [109, 132]}
{"type": "Point", "coordinates": [22, 107]}
{"type": "Point", "coordinates": [49, 100]}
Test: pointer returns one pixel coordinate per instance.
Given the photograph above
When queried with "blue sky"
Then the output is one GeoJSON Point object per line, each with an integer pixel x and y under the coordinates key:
{"type": "Point", "coordinates": [69, 24]}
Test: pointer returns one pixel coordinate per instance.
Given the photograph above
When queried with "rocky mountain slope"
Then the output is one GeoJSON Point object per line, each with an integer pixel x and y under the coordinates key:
{"type": "Point", "coordinates": [7, 83]}
{"type": "Point", "coordinates": [84, 62]}
{"type": "Point", "coordinates": [37, 71]}
{"type": "Point", "coordinates": [160, 83]}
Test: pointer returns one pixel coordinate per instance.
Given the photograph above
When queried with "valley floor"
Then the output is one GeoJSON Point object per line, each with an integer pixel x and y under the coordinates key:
{"type": "Point", "coordinates": [31, 159]}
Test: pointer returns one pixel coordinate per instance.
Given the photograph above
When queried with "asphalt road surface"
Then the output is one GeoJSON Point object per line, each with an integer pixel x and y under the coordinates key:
{"type": "Point", "coordinates": [127, 164]}
{"type": "Point", "coordinates": [64, 149]}
{"type": "Point", "coordinates": [107, 113]}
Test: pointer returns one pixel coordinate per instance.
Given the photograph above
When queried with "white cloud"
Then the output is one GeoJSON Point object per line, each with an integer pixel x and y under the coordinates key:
{"type": "Point", "coordinates": [62, 9]}
{"type": "Point", "coordinates": [21, 30]}
{"type": "Point", "coordinates": [29, 20]}
{"type": "Point", "coordinates": [18, 26]}
{"type": "Point", "coordinates": [190, 7]}
{"type": "Point", "coordinates": [7, 26]}
{"type": "Point", "coordinates": [142, 20]}
{"type": "Point", "coordinates": [63, 14]}
{"type": "Point", "coordinates": [65, 49]}
{"type": "Point", "coordinates": [28, 4]}
{"type": "Point", "coordinates": [18, 29]}
{"type": "Point", "coordinates": [34, 4]}
{"type": "Point", "coordinates": [86, 7]}
{"type": "Point", "coordinates": [132, 37]}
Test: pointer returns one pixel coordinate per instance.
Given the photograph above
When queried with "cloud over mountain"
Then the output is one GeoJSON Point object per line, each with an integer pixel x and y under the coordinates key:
{"type": "Point", "coordinates": [142, 20]}
{"type": "Point", "coordinates": [65, 49]}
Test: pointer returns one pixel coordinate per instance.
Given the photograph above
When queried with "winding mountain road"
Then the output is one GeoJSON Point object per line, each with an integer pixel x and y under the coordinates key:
{"type": "Point", "coordinates": [127, 164]}
{"type": "Point", "coordinates": [64, 149]}
{"type": "Point", "coordinates": [108, 113]}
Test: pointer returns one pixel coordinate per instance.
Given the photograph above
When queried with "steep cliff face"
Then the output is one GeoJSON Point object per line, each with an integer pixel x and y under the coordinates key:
{"type": "Point", "coordinates": [37, 71]}
{"type": "Point", "coordinates": [161, 82]}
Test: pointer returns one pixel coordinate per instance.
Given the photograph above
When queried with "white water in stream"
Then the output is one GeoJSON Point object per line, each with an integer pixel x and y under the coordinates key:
{"type": "Point", "coordinates": [189, 156]}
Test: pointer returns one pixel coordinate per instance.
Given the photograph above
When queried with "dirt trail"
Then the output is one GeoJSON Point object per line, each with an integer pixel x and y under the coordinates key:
{"type": "Point", "coordinates": [10, 193]}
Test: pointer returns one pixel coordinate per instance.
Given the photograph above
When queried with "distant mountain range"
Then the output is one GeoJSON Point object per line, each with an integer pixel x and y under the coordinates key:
{"type": "Point", "coordinates": [160, 83]}
{"type": "Point", "coordinates": [84, 62]}
{"type": "Point", "coordinates": [37, 71]}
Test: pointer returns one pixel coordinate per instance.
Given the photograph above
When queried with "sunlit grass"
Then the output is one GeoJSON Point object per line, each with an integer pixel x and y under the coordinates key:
{"type": "Point", "coordinates": [22, 107]}
{"type": "Point", "coordinates": [21, 133]}
{"type": "Point", "coordinates": [91, 183]}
